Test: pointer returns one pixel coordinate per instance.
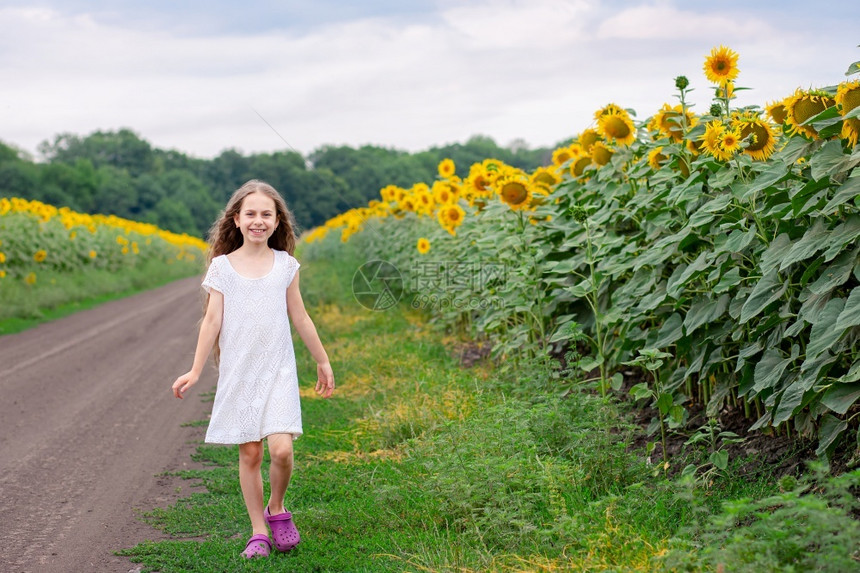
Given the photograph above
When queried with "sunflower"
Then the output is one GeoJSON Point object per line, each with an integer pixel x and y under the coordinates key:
{"type": "Point", "coordinates": [617, 126]}
{"type": "Point", "coordinates": [424, 202]}
{"type": "Point", "coordinates": [545, 177]}
{"type": "Point", "coordinates": [443, 193]}
{"type": "Point", "coordinates": [561, 156]}
{"type": "Point", "coordinates": [669, 122]}
{"type": "Point", "coordinates": [776, 111]}
{"type": "Point", "coordinates": [848, 99]}
{"type": "Point", "coordinates": [423, 246]}
{"type": "Point", "coordinates": [407, 203]}
{"type": "Point", "coordinates": [515, 191]}
{"type": "Point", "coordinates": [730, 141]}
{"type": "Point", "coordinates": [479, 182]}
{"type": "Point", "coordinates": [600, 154]}
{"type": "Point", "coordinates": [803, 105]}
{"type": "Point", "coordinates": [40, 256]}
{"type": "Point", "coordinates": [446, 168]}
{"type": "Point", "coordinates": [762, 141]}
{"type": "Point", "coordinates": [493, 168]}
{"type": "Point", "coordinates": [607, 109]}
{"type": "Point", "coordinates": [711, 140]}
{"type": "Point", "coordinates": [721, 65]}
{"type": "Point", "coordinates": [656, 158]}
{"type": "Point", "coordinates": [451, 217]}
{"type": "Point", "coordinates": [578, 166]}
{"type": "Point", "coordinates": [725, 90]}
{"type": "Point", "coordinates": [588, 138]}
{"type": "Point", "coordinates": [388, 193]}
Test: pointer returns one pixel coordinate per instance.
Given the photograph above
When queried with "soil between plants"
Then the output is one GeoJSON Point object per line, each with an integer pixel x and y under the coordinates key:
{"type": "Point", "coordinates": [90, 427]}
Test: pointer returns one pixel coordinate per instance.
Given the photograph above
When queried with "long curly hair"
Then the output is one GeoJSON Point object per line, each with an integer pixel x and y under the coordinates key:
{"type": "Point", "coordinates": [225, 237]}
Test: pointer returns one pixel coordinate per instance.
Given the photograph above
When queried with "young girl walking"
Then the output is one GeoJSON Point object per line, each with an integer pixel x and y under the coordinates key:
{"type": "Point", "coordinates": [253, 285]}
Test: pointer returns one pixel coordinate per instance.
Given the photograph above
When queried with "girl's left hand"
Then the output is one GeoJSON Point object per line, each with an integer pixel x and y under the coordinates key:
{"type": "Point", "coordinates": [325, 380]}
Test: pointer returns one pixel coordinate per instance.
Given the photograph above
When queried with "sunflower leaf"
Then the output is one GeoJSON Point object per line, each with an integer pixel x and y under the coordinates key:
{"type": "Point", "coordinates": [828, 113]}
{"type": "Point", "coordinates": [769, 288]}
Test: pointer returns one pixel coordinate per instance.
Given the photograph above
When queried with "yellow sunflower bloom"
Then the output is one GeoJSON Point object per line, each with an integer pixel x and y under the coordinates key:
{"type": "Point", "coordinates": [545, 177]}
{"type": "Point", "coordinates": [515, 191]}
{"type": "Point", "coordinates": [721, 65]}
{"type": "Point", "coordinates": [446, 168]}
{"type": "Point", "coordinates": [600, 154]}
{"type": "Point", "coordinates": [423, 246]}
{"type": "Point", "coordinates": [804, 105]}
{"type": "Point", "coordinates": [656, 159]}
{"type": "Point", "coordinates": [2, 258]}
{"type": "Point", "coordinates": [2, 274]}
{"type": "Point", "coordinates": [608, 109]}
{"type": "Point", "coordinates": [730, 141]}
{"type": "Point", "coordinates": [451, 217]}
{"type": "Point", "coordinates": [578, 166]}
{"type": "Point", "coordinates": [478, 184]}
{"type": "Point", "coordinates": [670, 122]}
{"type": "Point", "coordinates": [711, 140]}
{"type": "Point", "coordinates": [848, 99]}
{"type": "Point", "coordinates": [40, 255]}
{"type": "Point", "coordinates": [424, 202]}
{"type": "Point", "coordinates": [776, 111]}
{"type": "Point", "coordinates": [442, 193]}
{"type": "Point", "coordinates": [618, 127]}
{"type": "Point", "coordinates": [30, 279]}
{"type": "Point", "coordinates": [389, 193]}
{"type": "Point", "coordinates": [762, 138]}
{"type": "Point", "coordinates": [588, 138]}
{"type": "Point", "coordinates": [561, 156]}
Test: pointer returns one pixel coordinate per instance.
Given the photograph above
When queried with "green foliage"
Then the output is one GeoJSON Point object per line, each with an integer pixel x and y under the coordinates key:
{"type": "Point", "coordinates": [808, 526]}
{"type": "Point", "coordinates": [746, 272]}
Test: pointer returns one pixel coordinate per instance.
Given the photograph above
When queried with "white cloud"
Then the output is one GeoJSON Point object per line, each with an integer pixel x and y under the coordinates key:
{"type": "Point", "coordinates": [665, 22]}
{"type": "Point", "coordinates": [505, 68]}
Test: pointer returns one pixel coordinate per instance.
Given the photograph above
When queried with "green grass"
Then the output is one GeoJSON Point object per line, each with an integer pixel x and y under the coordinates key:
{"type": "Point", "coordinates": [56, 295]}
{"type": "Point", "coordinates": [417, 464]}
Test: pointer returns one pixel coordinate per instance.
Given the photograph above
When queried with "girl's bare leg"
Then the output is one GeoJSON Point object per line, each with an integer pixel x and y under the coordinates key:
{"type": "Point", "coordinates": [251, 481]}
{"type": "Point", "coordinates": [281, 469]}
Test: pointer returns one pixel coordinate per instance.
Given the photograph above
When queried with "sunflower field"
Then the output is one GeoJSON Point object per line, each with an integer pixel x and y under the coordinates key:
{"type": "Point", "coordinates": [718, 252]}
{"type": "Point", "coordinates": [39, 240]}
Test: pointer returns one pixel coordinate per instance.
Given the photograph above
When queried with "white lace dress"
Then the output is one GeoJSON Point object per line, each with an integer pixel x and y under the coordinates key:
{"type": "Point", "coordinates": [258, 390]}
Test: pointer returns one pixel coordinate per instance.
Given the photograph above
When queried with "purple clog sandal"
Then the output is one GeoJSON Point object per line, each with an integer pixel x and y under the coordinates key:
{"type": "Point", "coordinates": [284, 531]}
{"type": "Point", "coordinates": [258, 546]}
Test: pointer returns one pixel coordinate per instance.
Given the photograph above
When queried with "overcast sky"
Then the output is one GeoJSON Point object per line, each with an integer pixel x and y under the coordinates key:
{"type": "Point", "coordinates": [198, 76]}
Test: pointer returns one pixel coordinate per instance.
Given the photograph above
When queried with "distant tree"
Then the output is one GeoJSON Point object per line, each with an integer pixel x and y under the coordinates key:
{"type": "Point", "coordinates": [173, 215]}
{"type": "Point", "coordinates": [122, 149]}
{"type": "Point", "coordinates": [116, 193]}
{"type": "Point", "coordinates": [73, 186]}
{"type": "Point", "coordinates": [19, 179]}
{"type": "Point", "coordinates": [186, 188]}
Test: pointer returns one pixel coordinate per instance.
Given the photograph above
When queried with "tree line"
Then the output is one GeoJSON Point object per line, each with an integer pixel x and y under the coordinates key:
{"type": "Point", "coordinates": [118, 172]}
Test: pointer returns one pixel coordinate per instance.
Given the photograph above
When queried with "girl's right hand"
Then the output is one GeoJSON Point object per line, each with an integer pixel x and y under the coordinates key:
{"type": "Point", "coordinates": [183, 383]}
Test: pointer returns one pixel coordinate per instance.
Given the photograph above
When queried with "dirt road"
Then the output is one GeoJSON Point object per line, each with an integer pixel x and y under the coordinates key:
{"type": "Point", "coordinates": [87, 422]}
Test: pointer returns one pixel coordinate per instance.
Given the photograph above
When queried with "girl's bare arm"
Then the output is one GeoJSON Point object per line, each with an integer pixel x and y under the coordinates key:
{"type": "Point", "coordinates": [209, 329]}
{"type": "Point", "coordinates": [308, 333]}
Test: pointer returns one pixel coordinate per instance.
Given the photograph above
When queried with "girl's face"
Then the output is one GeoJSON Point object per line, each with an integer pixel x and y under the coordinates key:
{"type": "Point", "coordinates": [257, 218]}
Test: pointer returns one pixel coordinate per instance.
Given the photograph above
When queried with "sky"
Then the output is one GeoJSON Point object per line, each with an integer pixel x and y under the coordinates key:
{"type": "Point", "coordinates": [257, 76]}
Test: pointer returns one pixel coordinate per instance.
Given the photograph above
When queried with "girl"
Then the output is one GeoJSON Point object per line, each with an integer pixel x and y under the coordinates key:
{"type": "Point", "coordinates": [253, 284]}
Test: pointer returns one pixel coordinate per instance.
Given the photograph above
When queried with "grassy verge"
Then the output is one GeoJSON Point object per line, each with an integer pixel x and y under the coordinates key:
{"type": "Point", "coordinates": [418, 464]}
{"type": "Point", "coordinates": [56, 294]}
